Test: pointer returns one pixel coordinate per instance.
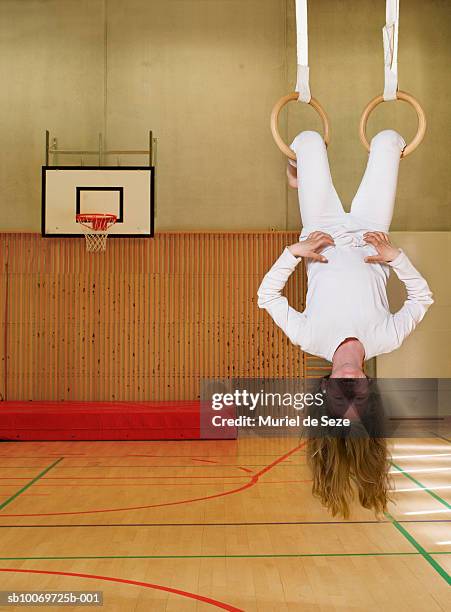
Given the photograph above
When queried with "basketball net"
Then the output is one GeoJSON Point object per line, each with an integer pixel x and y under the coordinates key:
{"type": "Point", "coordinates": [95, 227]}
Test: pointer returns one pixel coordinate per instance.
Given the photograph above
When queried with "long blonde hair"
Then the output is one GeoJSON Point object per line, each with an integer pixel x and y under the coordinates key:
{"type": "Point", "coordinates": [349, 464]}
{"type": "Point", "coordinates": [343, 468]}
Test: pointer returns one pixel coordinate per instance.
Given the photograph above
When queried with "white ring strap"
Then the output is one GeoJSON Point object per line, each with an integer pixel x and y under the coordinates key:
{"type": "Point", "coordinates": [390, 38]}
{"type": "Point", "coordinates": [302, 83]}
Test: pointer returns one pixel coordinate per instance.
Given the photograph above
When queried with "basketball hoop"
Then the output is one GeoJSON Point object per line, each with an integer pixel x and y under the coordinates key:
{"type": "Point", "coordinates": [95, 227]}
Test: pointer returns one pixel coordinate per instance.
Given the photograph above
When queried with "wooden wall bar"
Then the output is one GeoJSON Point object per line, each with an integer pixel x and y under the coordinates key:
{"type": "Point", "coordinates": [145, 320]}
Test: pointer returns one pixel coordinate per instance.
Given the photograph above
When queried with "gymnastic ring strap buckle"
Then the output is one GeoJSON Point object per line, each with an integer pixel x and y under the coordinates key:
{"type": "Point", "coordinates": [406, 97]}
{"type": "Point", "coordinates": [275, 122]}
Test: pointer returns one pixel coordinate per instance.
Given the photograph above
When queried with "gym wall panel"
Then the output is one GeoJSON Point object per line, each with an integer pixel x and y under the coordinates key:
{"type": "Point", "coordinates": [52, 71]}
{"type": "Point", "coordinates": [204, 76]}
{"type": "Point", "coordinates": [143, 321]}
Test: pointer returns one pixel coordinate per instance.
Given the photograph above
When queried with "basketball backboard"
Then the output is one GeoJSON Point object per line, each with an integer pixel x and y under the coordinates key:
{"type": "Point", "coordinates": [127, 192]}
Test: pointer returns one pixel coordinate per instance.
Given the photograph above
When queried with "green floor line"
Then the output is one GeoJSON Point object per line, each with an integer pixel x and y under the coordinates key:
{"type": "Point", "coordinates": [426, 555]}
{"type": "Point", "coordinates": [271, 556]}
{"type": "Point", "coordinates": [29, 484]}
{"type": "Point", "coordinates": [422, 486]}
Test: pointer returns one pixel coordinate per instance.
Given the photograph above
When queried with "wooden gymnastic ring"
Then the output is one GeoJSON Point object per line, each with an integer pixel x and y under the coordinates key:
{"type": "Point", "coordinates": [406, 97]}
{"type": "Point", "coordinates": [275, 121]}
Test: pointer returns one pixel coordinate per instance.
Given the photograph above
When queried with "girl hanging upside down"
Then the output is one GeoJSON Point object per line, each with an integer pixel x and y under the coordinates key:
{"type": "Point", "coordinates": [347, 319]}
{"type": "Point", "coordinates": [348, 258]}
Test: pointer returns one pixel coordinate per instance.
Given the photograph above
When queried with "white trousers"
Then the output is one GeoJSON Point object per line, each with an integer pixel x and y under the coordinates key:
{"type": "Point", "coordinates": [372, 206]}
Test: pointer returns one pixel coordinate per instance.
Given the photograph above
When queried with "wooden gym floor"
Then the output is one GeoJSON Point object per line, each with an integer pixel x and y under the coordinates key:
{"type": "Point", "coordinates": [220, 525]}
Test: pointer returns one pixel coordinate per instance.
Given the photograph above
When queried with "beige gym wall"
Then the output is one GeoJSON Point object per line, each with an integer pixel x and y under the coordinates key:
{"type": "Point", "coordinates": [427, 352]}
{"type": "Point", "coordinates": [204, 74]}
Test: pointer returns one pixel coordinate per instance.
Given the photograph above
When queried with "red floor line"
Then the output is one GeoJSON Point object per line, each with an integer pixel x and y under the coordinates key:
{"type": "Point", "coordinates": [147, 585]}
{"type": "Point", "coordinates": [252, 481]}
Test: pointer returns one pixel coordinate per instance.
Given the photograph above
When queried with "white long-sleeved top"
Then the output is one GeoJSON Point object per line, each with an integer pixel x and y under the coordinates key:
{"type": "Point", "coordinates": [346, 298]}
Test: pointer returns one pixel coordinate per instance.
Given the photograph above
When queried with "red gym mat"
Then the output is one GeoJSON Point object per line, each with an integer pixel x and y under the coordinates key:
{"type": "Point", "coordinates": [38, 420]}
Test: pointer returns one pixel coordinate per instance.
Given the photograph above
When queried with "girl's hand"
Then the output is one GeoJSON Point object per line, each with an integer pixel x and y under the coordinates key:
{"type": "Point", "coordinates": [386, 252]}
{"type": "Point", "coordinates": [310, 247]}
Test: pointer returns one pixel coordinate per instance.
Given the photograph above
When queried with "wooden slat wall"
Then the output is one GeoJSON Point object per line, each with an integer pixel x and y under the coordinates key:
{"type": "Point", "coordinates": [145, 320]}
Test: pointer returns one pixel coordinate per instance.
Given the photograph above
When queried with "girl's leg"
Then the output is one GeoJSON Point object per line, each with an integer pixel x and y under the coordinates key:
{"type": "Point", "coordinates": [375, 198]}
{"type": "Point", "coordinates": [319, 203]}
